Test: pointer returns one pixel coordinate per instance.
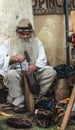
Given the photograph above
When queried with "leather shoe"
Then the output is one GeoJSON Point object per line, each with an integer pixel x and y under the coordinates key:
{"type": "Point", "coordinates": [20, 110]}
{"type": "Point", "coordinates": [18, 123]}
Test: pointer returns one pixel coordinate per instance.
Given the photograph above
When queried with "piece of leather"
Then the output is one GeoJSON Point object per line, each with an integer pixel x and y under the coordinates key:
{"type": "Point", "coordinates": [32, 82]}
{"type": "Point", "coordinates": [43, 123]}
{"type": "Point", "coordinates": [20, 110]}
{"type": "Point", "coordinates": [43, 114]}
{"type": "Point", "coordinates": [18, 123]}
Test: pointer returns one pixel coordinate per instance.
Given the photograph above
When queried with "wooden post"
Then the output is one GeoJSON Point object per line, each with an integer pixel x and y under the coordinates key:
{"type": "Point", "coordinates": [29, 97]}
{"type": "Point", "coordinates": [73, 20]}
{"type": "Point", "coordinates": [68, 110]}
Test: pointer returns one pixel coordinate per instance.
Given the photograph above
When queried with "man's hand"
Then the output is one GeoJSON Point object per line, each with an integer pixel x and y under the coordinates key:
{"type": "Point", "coordinates": [16, 58]}
{"type": "Point", "coordinates": [33, 67]}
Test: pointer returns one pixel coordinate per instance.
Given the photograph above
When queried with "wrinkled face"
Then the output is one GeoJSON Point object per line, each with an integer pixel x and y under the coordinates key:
{"type": "Point", "coordinates": [24, 34]}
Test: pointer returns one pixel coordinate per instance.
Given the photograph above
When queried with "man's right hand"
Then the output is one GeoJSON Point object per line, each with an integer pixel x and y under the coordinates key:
{"type": "Point", "coordinates": [16, 58]}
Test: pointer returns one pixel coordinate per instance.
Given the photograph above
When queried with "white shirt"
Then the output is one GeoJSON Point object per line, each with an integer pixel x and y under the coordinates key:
{"type": "Point", "coordinates": [41, 61]}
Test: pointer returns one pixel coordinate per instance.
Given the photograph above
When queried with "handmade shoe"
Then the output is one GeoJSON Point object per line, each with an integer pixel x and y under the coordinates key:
{"type": "Point", "coordinates": [43, 114]}
{"type": "Point", "coordinates": [18, 123]}
{"type": "Point", "coordinates": [20, 110]}
{"type": "Point", "coordinates": [43, 123]}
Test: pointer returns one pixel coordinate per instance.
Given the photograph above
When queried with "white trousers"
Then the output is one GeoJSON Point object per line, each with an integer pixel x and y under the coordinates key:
{"type": "Point", "coordinates": [15, 84]}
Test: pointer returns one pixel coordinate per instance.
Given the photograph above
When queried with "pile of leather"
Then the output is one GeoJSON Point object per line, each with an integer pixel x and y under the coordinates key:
{"type": "Point", "coordinates": [43, 117]}
{"type": "Point", "coordinates": [45, 110]}
{"type": "Point", "coordinates": [60, 109]}
{"type": "Point", "coordinates": [64, 71]}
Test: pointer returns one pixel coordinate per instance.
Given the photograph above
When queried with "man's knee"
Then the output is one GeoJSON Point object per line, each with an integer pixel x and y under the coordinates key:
{"type": "Point", "coordinates": [11, 74]}
{"type": "Point", "coordinates": [54, 73]}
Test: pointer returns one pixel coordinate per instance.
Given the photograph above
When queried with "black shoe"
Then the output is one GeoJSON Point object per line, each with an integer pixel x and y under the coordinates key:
{"type": "Point", "coordinates": [20, 110]}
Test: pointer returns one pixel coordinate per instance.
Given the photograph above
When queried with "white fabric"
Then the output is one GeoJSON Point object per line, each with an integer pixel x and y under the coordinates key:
{"type": "Point", "coordinates": [41, 61]}
{"type": "Point", "coordinates": [13, 77]}
{"type": "Point", "coordinates": [4, 57]}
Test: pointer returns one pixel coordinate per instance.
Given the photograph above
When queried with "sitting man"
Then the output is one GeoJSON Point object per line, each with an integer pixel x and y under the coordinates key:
{"type": "Point", "coordinates": [12, 60]}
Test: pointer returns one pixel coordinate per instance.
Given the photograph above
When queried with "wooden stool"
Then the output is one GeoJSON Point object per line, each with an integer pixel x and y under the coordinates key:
{"type": "Point", "coordinates": [29, 97]}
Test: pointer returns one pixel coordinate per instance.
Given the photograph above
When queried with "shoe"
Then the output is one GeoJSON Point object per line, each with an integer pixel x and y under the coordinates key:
{"type": "Point", "coordinates": [18, 123]}
{"type": "Point", "coordinates": [43, 114]}
{"type": "Point", "coordinates": [20, 110]}
{"type": "Point", "coordinates": [43, 123]}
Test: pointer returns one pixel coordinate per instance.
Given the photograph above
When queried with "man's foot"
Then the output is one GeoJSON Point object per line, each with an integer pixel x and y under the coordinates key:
{"type": "Point", "coordinates": [20, 110]}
